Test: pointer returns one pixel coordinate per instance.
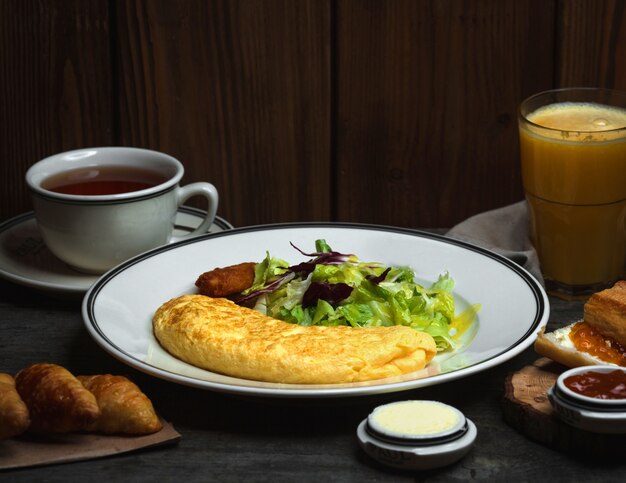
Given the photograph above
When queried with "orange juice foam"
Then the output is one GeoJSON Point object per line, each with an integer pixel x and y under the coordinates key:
{"type": "Point", "coordinates": [579, 118]}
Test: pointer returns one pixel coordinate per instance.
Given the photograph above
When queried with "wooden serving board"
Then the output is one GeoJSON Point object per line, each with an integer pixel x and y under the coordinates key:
{"type": "Point", "coordinates": [526, 407]}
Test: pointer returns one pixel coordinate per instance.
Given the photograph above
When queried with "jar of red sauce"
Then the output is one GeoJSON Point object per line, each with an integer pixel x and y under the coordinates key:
{"type": "Point", "coordinates": [598, 384]}
{"type": "Point", "coordinates": [592, 398]}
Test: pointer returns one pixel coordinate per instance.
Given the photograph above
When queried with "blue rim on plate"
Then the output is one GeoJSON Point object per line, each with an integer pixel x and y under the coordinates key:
{"type": "Point", "coordinates": [478, 355]}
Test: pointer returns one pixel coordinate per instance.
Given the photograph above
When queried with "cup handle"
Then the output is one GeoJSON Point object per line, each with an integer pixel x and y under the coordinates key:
{"type": "Point", "coordinates": [199, 189]}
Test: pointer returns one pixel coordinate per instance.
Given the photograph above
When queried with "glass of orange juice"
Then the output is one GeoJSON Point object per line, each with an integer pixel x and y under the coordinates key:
{"type": "Point", "coordinates": [573, 154]}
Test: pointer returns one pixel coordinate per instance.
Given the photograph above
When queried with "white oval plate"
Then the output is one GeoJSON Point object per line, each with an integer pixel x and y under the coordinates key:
{"type": "Point", "coordinates": [118, 308]}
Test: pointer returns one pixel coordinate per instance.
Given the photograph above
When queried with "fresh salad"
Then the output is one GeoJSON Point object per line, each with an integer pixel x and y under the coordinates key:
{"type": "Point", "coordinates": [337, 289]}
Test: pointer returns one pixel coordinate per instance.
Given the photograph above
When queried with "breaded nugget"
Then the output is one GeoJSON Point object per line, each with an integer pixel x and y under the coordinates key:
{"type": "Point", "coordinates": [222, 282]}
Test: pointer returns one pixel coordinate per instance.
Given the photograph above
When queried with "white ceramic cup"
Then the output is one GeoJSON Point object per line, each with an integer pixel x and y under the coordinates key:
{"type": "Point", "coordinates": [93, 233]}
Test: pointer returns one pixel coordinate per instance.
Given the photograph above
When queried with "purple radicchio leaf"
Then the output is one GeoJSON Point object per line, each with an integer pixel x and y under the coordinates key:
{"type": "Point", "coordinates": [304, 268]}
{"type": "Point", "coordinates": [286, 277]}
{"type": "Point", "coordinates": [333, 293]}
{"type": "Point", "coordinates": [323, 258]}
{"type": "Point", "coordinates": [377, 279]}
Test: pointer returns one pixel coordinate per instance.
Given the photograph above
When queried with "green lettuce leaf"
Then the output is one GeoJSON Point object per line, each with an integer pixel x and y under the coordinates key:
{"type": "Point", "coordinates": [378, 299]}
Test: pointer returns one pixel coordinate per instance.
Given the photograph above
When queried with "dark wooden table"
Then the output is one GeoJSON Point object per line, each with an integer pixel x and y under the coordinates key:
{"type": "Point", "coordinates": [227, 438]}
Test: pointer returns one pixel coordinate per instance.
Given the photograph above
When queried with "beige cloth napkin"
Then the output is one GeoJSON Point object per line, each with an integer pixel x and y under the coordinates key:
{"type": "Point", "coordinates": [504, 231]}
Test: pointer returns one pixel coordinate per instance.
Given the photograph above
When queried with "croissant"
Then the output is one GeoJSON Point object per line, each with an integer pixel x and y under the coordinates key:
{"type": "Point", "coordinates": [14, 418]}
{"type": "Point", "coordinates": [56, 400]}
{"type": "Point", "coordinates": [125, 409]}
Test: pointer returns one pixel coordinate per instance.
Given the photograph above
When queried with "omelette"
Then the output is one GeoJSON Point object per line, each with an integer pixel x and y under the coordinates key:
{"type": "Point", "coordinates": [217, 335]}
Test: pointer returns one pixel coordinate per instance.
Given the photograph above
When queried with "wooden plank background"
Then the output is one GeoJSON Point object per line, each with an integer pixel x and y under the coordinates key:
{"type": "Point", "coordinates": [394, 112]}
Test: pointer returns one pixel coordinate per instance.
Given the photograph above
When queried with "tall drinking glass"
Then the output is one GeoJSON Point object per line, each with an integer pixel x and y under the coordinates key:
{"type": "Point", "coordinates": [573, 153]}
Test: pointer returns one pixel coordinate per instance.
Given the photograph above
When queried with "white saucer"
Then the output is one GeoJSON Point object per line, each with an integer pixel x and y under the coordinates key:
{"type": "Point", "coordinates": [25, 259]}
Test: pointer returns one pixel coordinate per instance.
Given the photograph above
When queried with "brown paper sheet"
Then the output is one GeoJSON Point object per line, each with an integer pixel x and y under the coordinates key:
{"type": "Point", "coordinates": [37, 450]}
